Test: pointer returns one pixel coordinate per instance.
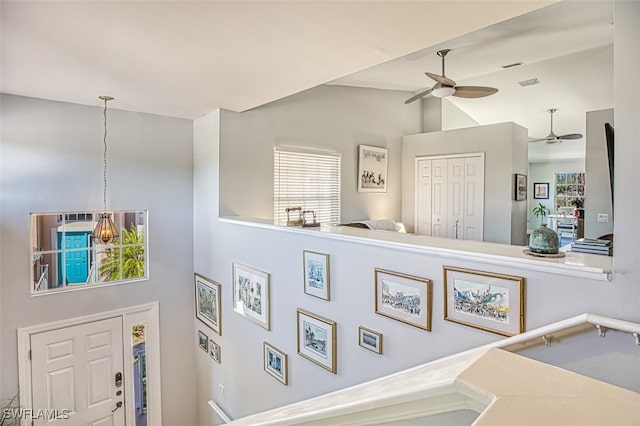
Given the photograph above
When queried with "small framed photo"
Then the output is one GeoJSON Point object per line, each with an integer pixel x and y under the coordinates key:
{"type": "Point", "coordinates": [317, 340]}
{"type": "Point", "coordinates": [520, 187]}
{"type": "Point", "coordinates": [484, 300]}
{"type": "Point", "coordinates": [541, 190]}
{"type": "Point", "coordinates": [276, 363]}
{"type": "Point", "coordinates": [372, 168]}
{"type": "Point", "coordinates": [370, 339]}
{"type": "Point", "coordinates": [251, 294]}
{"type": "Point", "coordinates": [214, 351]}
{"type": "Point", "coordinates": [316, 274]}
{"type": "Point", "coordinates": [207, 302]}
{"type": "Point", "coordinates": [404, 298]}
{"type": "Point", "coordinates": [203, 341]}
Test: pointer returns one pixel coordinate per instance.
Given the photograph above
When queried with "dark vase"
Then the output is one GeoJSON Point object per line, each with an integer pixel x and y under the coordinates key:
{"type": "Point", "coordinates": [544, 240]}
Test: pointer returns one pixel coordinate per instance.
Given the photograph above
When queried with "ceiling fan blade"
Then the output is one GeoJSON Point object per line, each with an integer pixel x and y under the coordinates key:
{"type": "Point", "coordinates": [418, 96]}
{"type": "Point", "coordinates": [474, 91]}
{"type": "Point", "coordinates": [539, 140]}
{"type": "Point", "coordinates": [441, 79]}
{"type": "Point", "coordinates": [571, 136]}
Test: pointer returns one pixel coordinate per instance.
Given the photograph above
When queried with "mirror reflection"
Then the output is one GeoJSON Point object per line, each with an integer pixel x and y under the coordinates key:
{"type": "Point", "coordinates": [64, 256]}
{"type": "Point", "coordinates": [559, 57]}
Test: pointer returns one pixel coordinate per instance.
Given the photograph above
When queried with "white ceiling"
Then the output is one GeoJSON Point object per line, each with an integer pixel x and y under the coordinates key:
{"type": "Point", "coordinates": [568, 46]}
{"type": "Point", "coordinates": [186, 58]}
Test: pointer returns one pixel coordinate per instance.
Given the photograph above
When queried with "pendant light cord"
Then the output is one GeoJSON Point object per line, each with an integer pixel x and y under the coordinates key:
{"type": "Point", "coordinates": [105, 156]}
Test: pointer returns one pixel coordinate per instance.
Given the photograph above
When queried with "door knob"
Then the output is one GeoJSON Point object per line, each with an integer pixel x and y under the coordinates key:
{"type": "Point", "coordinates": [118, 405]}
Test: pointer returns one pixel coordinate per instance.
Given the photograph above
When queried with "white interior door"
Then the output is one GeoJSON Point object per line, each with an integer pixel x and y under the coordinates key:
{"type": "Point", "coordinates": [74, 368]}
{"type": "Point", "coordinates": [455, 199]}
{"type": "Point", "coordinates": [474, 198]}
{"type": "Point", "coordinates": [423, 188]}
{"type": "Point", "coordinates": [439, 198]}
{"type": "Point", "coordinates": [450, 196]}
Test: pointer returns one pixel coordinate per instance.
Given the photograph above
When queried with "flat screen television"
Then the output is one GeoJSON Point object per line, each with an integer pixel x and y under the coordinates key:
{"type": "Point", "coordinates": [608, 131]}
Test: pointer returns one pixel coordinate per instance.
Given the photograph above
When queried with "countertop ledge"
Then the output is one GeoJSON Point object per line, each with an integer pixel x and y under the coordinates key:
{"type": "Point", "coordinates": [583, 265]}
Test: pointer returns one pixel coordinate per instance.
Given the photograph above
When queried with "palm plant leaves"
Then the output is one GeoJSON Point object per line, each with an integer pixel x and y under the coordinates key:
{"type": "Point", "coordinates": [132, 257]}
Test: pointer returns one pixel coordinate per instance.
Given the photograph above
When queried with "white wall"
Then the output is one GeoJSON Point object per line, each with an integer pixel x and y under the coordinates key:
{"type": "Point", "coordinates": [502, 144]}
{"type": "Point", "coordinates": [548, 297]}
{"type": "Point", "coordinates": [52, 161]}
{"type": "Point", "coordinates": [335, 118]}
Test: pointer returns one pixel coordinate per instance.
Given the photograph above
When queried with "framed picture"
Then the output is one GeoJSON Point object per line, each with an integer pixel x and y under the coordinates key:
{"type": "Point", "coordinates": [372, 168]}
{"type": "Point", "coordinates": [317, 339]}
{"type": "Point", "coordinates": [214, 351]}
{"type": "Point", "coordinates": [404, 298]}
{"type": "Point", "coordinates": [251, 294]}
{"type": "Point", "coordinates": [276, 362]}
{"type": "Point", "coordinates": [207, 302]}
{"type": "Point", "coordinates": [520, 187]}
{"type": "Point", "coordinates": [541, 190]}
{"type": "Point", "coordinates": [484, 300]}
{"type": "Point", "coordinates": [370, 339]}
{"type": "Point", "coordinates": [316, 274]}
{"type": "Point", "coordinates": [203, 341]}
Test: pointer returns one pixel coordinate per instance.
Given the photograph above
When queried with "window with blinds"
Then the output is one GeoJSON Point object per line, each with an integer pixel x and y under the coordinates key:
{"type": "Point", "coordinates": [306, 179]}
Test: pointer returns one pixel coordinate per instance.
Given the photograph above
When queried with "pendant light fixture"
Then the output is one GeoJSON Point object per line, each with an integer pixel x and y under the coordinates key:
{"type": "Point", "coordinates": [105, 231]}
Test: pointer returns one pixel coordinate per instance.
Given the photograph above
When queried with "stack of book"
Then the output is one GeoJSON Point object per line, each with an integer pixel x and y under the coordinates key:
{"type": "Point", "coordinates": [589, 245]}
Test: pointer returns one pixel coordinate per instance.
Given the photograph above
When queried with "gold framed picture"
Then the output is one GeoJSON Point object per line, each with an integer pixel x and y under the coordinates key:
{"type": "Point", "coordinates": [484, 300]}
{"type": "Point", "coordinates": [405, 298]}
{"type": "Point", "coordinates": [317, 340]}
{"type": "Point", "coordinates": [276, 363]}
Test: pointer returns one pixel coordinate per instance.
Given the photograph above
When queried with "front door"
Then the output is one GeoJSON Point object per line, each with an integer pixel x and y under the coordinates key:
{"type": "Point", "coordinates": [76, 264]}
{"type": "Point", "coordinates": [75, 369]}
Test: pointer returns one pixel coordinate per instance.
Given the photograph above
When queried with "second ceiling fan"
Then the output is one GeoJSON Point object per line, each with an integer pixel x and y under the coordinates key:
{"type": "Point", "coordinates": [552, 137]}
{"type": "Point", "coordinates": [446, 87]}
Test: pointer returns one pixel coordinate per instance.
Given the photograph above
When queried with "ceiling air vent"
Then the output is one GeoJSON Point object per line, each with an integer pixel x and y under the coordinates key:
{"type": "Point", "coordinates": [529, 82]}
{"type": "Point", "coordinates": [515, 64]}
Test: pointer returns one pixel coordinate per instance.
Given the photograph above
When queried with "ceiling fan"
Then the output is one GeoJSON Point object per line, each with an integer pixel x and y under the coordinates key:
{"type": "Point", "coordinates": [446, 87]}
{"type": "Point", "coordinates": [552, 137]}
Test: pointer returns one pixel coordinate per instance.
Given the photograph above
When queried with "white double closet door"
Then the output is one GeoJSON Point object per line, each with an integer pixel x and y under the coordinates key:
{"type": "Point", "coordinates": [450, 196]}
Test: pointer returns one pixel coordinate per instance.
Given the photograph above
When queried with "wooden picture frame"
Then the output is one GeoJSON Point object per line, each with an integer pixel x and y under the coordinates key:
{"type": "Point", "coordinates": [214, 351]}
{"type": "Point", "coordinates": [541, 190]}
{"type": "Point", "coordinates": [520, 187]}
{"type": "Point", "coordinates": [203, 341]}
{"type": "Point", "coordinates": [372, 168]}
{"type": "Point", "coordinates": [317, 340]}
{"type": "Point", "coordinates": [370, 339]}
{"type": "Point", "coordinates": [484, 300]}
{"type": "Point", "coordinates": [251, 294]}
{"type": "Point", "coordinates": [207, 296]}
{"type": "Point", "coordinates": [316, 274]}
{"type": "Point", "coordinates": [404, 298]}
{"type": "Point", "coordinates": [276, 363]}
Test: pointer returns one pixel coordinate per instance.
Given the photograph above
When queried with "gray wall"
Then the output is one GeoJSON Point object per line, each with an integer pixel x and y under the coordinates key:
{"type": "Point", "coordinates": [549, 297]}
{"type": "Point", "coordinates": [504, 155]}
{"type": "Point", "coordinates": [598, 195]}
{"type": "Point", "coordinates": [52, 161]}
{"type": "Point", "coordinates": [335, 118]}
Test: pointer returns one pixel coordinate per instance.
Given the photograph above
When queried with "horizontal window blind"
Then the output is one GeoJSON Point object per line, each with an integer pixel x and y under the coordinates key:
{"type": "Point", "coordinates": [306, 179]}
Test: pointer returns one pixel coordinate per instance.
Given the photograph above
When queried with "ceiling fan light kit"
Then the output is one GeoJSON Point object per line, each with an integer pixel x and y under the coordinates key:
{"type": "Point", "coordinates": [442, 91]}
{"type": "Point", "coordinates": [445, 87]}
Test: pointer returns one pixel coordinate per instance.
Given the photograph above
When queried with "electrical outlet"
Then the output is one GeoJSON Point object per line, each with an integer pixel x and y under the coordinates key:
{"type": "Point", "coordinates": [221, 387]}
{"type": "Point", "coordinates": [603, 217]}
